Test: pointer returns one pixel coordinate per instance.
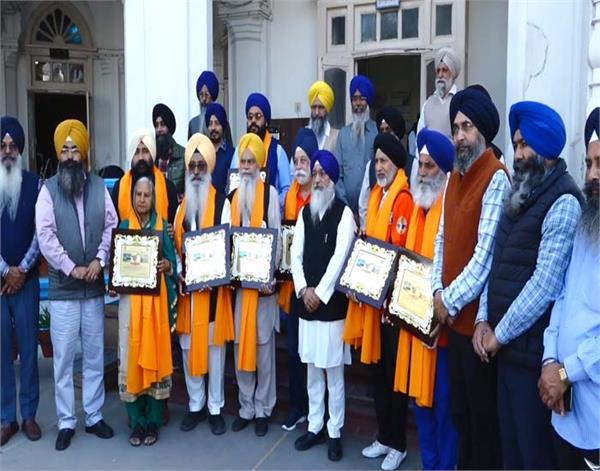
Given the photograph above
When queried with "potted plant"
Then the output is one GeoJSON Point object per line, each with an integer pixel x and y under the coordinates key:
{"type": "Point", "coordinates": [44, 332]}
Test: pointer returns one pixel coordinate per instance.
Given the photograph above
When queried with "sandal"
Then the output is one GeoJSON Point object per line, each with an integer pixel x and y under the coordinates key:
{"type": "Point", "coordinates": [151, 435]}
{"type": "Point", "coordinates": [138, 434]}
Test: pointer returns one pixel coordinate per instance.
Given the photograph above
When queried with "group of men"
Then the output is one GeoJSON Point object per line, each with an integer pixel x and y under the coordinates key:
{"type": "Point", "coordinates": [513, 377]}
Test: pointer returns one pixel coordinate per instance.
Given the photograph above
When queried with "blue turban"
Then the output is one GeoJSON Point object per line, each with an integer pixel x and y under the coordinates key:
{"type": "Point", "coordinates": [592, 124]}
{"type": "Point", "coordinates": [219, 112]}
{"type": "Point", "coordinates": [479, 108]}
{"type": "Point", "coordinates": [541, 127]}
{"type": "Point", "coordinates": [307, 141]}
{"type": "Point", "coordinates": [328, 163]}
{"type": "Point", "coordinates": [13, 128]}
{"type": "Point", "coordinates": [364, 86]}
{"type": "Point", "coordinates": [211, 81]}
{"type": "Point", "coordinates": [438, 146]}
{"type": "Point", "coordinates": [258, 99]}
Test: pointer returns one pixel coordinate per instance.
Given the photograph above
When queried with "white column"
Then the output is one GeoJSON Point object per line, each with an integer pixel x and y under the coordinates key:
{"type": "Point", "coordinates": [167, 45]}
{"type": "Point", "coordinates": [594, 58]}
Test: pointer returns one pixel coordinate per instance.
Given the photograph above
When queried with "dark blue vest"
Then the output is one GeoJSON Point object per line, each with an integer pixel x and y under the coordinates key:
{"type": "Point", "coordinates": [18, 234]}
{"type": "Point", "coordinates": [515, 256]}
{"type": "Point", "coordinates": [272, 161]}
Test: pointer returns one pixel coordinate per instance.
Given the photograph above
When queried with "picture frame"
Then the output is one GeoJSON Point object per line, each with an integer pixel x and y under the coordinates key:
{"type": "Point", "coordinates": [284, 271]}
{"type": "Point", "coordinates": [252, 256]}
{"type": "Point", "coordinates": [233, 178]}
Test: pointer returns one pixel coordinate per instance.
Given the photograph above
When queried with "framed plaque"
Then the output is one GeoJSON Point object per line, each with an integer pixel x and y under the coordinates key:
{"type": "Point", "coordinates": [253, 256]}
{"type": "Point", "coordinates": [284, 272]}
{"type": "Point", "coordinates": [411, 301]}
{"type": "Point", "coordinates": [233, 178]}
{"type": "Point", "coordinates": [368, 271]}
{"type": "Point", "coordinates": [205, 258]}
{"type": "Point", "coordinates": [133, 264]}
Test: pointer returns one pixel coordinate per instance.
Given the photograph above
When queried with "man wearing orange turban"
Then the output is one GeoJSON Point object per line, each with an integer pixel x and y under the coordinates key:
{"type": "Point", "coordinates": [255, 204]}
{"type": "Point", "coordinates": [320, 100]}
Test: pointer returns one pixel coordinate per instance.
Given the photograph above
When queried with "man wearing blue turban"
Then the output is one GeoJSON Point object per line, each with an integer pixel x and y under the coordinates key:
{"type": "Point", "coordinates": [217, 130]}
{"type": "Point", "coordinates": [533, 247]}
{"type": "Point", "coordinates": [354, 147]}
{"type": "Point", "coordinates": [207, 91]}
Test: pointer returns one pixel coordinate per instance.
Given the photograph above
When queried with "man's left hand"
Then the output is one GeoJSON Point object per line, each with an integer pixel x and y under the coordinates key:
{"type": "Point", "coordinates": [550, 386]}
{"type": "Point", "coordinates": [14, 280]}
{"type": "Point", "coordinates": [441, 313]}
{"type": "Point", "coordinates": [491, 344]}
{"type": "Point", "coordinates": [92, 271]}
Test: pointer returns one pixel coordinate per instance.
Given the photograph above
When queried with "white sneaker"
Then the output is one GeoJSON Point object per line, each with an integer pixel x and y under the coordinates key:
{"type": "Point", "coordinates": [393, 460]}
{"type": "Point", "coordinates": [375, 450]}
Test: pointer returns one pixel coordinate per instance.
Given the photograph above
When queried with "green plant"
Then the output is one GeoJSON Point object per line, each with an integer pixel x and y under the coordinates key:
{"type": "Point", "coordinates": [44, 320]}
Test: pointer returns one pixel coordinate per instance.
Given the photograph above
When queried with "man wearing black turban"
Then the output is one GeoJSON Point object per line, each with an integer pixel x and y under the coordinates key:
{"type": "Point", "coordinates": [169, 154]}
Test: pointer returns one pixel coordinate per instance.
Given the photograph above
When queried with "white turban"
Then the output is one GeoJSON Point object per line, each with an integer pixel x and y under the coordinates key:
{"type": "Point", "coordinates": [147, 137]}
{"type": "Point", "coordinates": [448, 56]}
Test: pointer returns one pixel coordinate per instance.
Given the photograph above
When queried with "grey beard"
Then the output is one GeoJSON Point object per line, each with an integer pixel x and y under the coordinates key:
{"type": "Point", "coordinates": [590, 217]}
{"type": "Point", "coordinates": [441, 87]}
{"type": "Point", "coordinates": [246, 195]}
{"type": "Point", "coordinates": [427, 190]}
{"type": "Point", "coordinates": [318, 126]}
{"type": "Point", "coordinates": [10, 188]}
{"type": "Point", "coordinates": [320, 200]}
{"type": "Point", "coordinates": [71, 178]}
{"type": "Point", "coordinates": [358, 125]}
{"type": "Point", "coordinates": [463, 161]}
{"type": "Point", "coordinates": [526, 178]}
{"type": "Point", "coordinates": [388, 178]}
{"type": "Point", "coordinates": [196, 194]}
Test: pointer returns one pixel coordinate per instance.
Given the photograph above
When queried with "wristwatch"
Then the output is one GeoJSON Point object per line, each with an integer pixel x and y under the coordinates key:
{"type": "Point", "coordinates": [562, 373]}
{"type": "Point", "coordinates": [101, 262]}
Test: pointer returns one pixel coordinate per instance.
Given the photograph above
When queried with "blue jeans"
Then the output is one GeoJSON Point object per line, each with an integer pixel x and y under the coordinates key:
{"type": "Point", "coordinates": [20, 311]}
{"type": "Point", "coordinates": [296, 369]}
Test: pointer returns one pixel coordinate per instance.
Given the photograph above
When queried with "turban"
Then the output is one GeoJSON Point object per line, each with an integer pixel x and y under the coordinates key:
{"type": "Point", "coordinates": [307, 141]}
{"type": "Point", "coordinates": [145, 136]}
{"type": "Point", "coordinates": [392, 116]}
{"type": "Point", "coordinates": [448, 56]}
{"type": "Point", "coordinates": [219, 112]}
{"type": "Point", "coordinates": [209, 79]}
{"type": "Point", "coordinates": [13, 128]}
{"type": "Point", "coordinates": [479, 108]}
{"type": "Point", "coordinates": [199, 142]}
{"type": "Point", "coordinates": [364, 86]}
{"type": "Point", "coordinates": [167, 116]}
{"type": "Point", "coordinates": [328, 163]}
{"type": "Point", "coordinates": [438, 146]}
{"type": "Point", "coordinates": [323, 92]}
{"type": "Point", "coordinates": [592, 125]}
{"type": "Point", "coordinates": [253, 143]}
{"type": "Point", "coordinates": [541, 127]}
{"type": "Point", "coordinates": [77, 131]}
{"type": "Point", "coordinates": [391, 146]}
{"type": "Point", "coordinates": [258, 99]}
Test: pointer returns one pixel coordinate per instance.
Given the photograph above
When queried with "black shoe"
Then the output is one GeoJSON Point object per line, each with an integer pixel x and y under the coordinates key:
{"type": "Point", "coordinates": [334, 452]}
{"type": "Point", "coordinates": [239, 424]}
{"type": "Point", "coordinates": [101, 429]}
{"type": "Point", "coordinates": [64, 438]}
{"type": "Point", "coordinates": [261, 426]}
{"type": "Point", "coordinates": [309, 439]}
{"type": "Point", "coordinates": [192, 419]}
{"type": "Point", "coordinates": [217, 424]}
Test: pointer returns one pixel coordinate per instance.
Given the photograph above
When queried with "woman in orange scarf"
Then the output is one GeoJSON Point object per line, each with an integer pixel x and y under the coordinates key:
{"type": "Point", "coordinates": [145, 330]}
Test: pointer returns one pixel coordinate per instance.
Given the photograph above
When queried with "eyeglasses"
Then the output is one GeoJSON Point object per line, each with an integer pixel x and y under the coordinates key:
{"type": "Point", "coordinates": [199, 166]}
{"type": "Point", "coordinates": [254, 116]}
{"type": "Point", "coordinates": [465, 127]}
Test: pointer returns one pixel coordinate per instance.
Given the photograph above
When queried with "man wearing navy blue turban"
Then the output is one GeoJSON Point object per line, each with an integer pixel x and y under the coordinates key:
{"type": "Point", "coordinates": [354, 147]}
{"type": "Point", "coordinates": [217, 129]}
{"type": "Point", "coordinates": [258, 117]}
{"type": "Point", "coordinates": [533, 247]}
{"type": "Point", "coordinates": [207, 91]}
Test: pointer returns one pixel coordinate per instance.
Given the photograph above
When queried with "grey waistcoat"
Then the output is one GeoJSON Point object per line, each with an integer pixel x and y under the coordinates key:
{"type": "Point", "coordinates": [61, 286]}
{"type": "Point", "coordinates": [437, 115]}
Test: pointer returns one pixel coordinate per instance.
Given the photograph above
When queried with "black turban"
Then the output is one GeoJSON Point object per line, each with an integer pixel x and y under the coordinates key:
{"type": "Point", "coordinates": [167, 116]}
{"type": "Point", "coordinates": [391, 146]}
{"type": "Point", "coordinates": [392, 116]}
{"type": "Point", "coordinates": [477, 105]}
{"type": "Point", "coordinates": [592, 125]}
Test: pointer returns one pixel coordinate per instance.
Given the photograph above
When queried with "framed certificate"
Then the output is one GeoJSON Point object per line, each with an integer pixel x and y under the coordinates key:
{"type": "Point", "coordinates": [253, 256]}
{"type": "Point", "coordinates": [368, 270]}
{"type": "Point", "coordinates": [284, 272]}
{"type": "Point", "coordinates": [233, 178]}
{"type": "Point", "coordinates": [133, 264]}
{"type": "Point", "coordinates": [411, 301]}
{"type": "Point", "coordinates": [206, 257]}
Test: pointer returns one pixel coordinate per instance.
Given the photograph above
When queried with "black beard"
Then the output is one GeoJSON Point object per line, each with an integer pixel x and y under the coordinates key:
{"type": "Point", "coordinates": [260, 131]}
{"type": "Point", "coordinates": [590, 217]}
{"type": "Point", "coordinates": [141, 169]}
{"type": "Point", "coordinates": [528, 175]}
{"type": "Point", "coordinates": [465, 158]}
{"type": "Point", "coordinates": [71, 177]}
{"type": "Point", "coordinates": [215, 137]}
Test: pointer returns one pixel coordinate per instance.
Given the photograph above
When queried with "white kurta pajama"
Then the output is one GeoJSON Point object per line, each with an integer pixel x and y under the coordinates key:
{"type": "Point", "coordinates": [320, 343]}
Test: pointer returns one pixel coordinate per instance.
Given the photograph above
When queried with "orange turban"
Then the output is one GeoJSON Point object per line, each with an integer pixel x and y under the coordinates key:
{"type": "Point", "coordinates": [199, 142]}
{"type": "Point", "coordinates": [255, 145]}
{"type": "Point", "coordinates": [77, 131]}
{"type": "Point", "coordinates": [323, 92]}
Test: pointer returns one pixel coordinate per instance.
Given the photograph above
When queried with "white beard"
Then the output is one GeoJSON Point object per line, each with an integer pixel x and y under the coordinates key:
{"type": "Point", "coordinates": [247, 194]}
{"type": "Point", "coordinates": [428, 189]}
{"type": "Point", "coordinates": [358, 125]}
{"type": "Point", "coordinates": [196, 194]}
{"type": "Point", "coordinates": [301, 177]}
{"type": "Point", "coordinates": [388, 178]}
{"type": "Point", "coordinates": [320, 200]}
{"type": "Point", "coordinates": [10, 188]}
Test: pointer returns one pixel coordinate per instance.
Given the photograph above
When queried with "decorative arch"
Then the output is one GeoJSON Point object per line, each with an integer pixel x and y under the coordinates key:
{"type": "Point", "coordinates": [59, 25]}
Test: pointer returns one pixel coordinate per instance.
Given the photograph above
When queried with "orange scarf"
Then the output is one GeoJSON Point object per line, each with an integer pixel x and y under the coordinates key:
{"type": "Point", "coordinates": [149, 357]}
{"type": "Point", "coordinates": [362, 321]}
{"type": "Point", "coordinates": [161, 200]}
{"type": "Point", "coordinates": [422, 230]}
{"type": "Point", "coordinates": [247, 342]}
{"type": "Point", "coordinates": [198, 322]}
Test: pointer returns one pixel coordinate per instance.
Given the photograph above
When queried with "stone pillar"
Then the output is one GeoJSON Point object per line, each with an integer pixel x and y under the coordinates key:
{"type": "Point", "coordinates": [166, 48]}
{"type": "Point", "coordinates": [594, 58]}
{"type": "Point", "coordinates": [247, 31]}
{"type": "Point", "coordinates": [11, 29]}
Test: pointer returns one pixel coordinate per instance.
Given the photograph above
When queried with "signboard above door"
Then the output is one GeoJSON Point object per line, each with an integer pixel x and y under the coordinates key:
{"type": "Point", "coordinates": [385, 4]}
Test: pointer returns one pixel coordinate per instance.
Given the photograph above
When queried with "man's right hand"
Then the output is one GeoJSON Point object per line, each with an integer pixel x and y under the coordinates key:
{"type": "Point", "coordinates": [13, 281]}
{"type": "Point", "coordinates": [311, 300]}
{"type": "Point", "coordinates": [79, 273]}
{"type": "Point", "coordinates": [481, 330]}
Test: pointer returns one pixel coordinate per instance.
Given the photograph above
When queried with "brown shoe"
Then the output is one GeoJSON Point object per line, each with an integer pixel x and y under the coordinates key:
{"type": "Point", "coordinates": [31, 430]}
{"type": "Point", "coordinates": [8, 430]}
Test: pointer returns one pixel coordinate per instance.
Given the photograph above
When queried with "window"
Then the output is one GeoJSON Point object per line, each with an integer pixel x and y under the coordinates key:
{"type": "Point", "coordinates": [443, 20]}
{"type": "Point", "coordinates": [388, 25]}
{"type": "Point", "coordinates": [367, 27]}
{"type": "Point", "coordinates": [410, 23]}
{"type": "Point", "coordinates": [58, 71]}
{"type": "Point", "coordinates": [57, 27]}
{"type": "Point", "coordinates": [338, 30]}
